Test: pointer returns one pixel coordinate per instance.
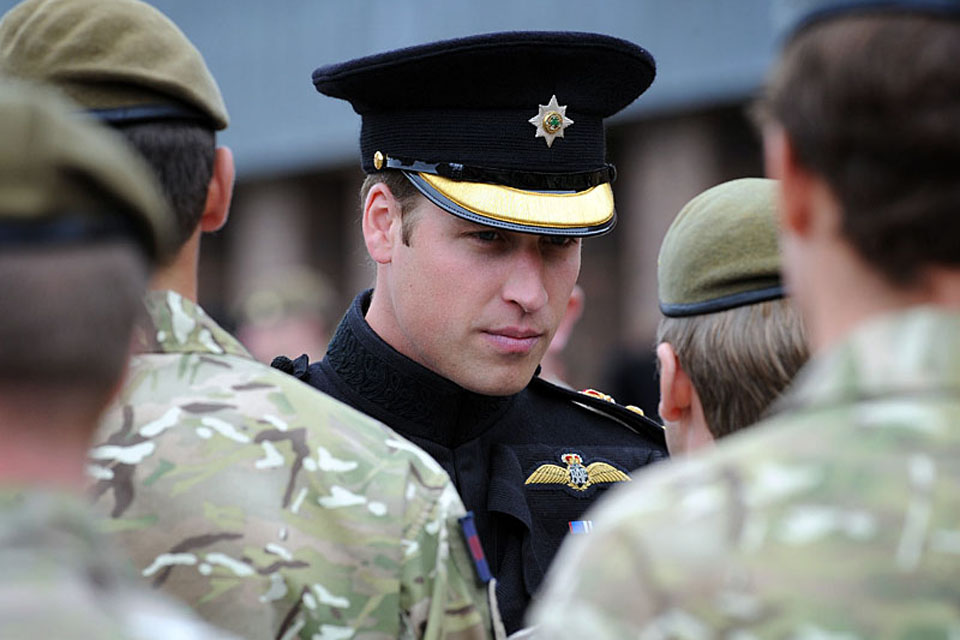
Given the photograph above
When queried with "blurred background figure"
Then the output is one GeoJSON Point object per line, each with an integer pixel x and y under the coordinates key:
{"type": "Point", "coordinates": [729, 343]}
{"type": "Point", "coordinates": [553, 366]}
{"type": "Point", "coordinates": [287, 311]}
{"type": "Point", "coordinates": [81, 224]}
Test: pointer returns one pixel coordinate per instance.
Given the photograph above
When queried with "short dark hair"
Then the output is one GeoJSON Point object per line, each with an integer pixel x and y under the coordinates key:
{"type": "Point", "coordinates": [402, 189]}
{"type": "Point", "coordinates": [67, 317]}
{"type": "Point", "coordinates": [182, 155]}
{"type": "Point", "coordinates": [872, 105]}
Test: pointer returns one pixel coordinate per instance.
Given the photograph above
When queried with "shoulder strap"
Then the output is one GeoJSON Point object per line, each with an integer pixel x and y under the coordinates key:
{"type": "Point", "coordinates": [630, 416]}
{"type": "Point", "coordinates": [298, 367]}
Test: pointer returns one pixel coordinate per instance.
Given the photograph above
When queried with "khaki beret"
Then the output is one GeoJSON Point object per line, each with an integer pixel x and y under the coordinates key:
{"type": "Point", "coordinates": [64, 178]}
{"type": "Point", "coordinates": [122, 59]}
{"type": "Point", "coordinates": [721, 251]}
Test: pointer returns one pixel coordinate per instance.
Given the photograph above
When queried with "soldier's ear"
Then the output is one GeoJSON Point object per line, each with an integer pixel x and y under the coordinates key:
{"type": "Point", "coordinates": [381, 223]}
{"type": "Point", "coordinates": [795, 182]}
{"type": "Point", "coordinates": [220, 192]}
{"type": "Point", "coordinates": [676, 389]}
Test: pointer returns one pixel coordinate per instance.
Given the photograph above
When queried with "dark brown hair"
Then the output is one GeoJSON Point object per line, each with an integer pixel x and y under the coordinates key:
{"type": "Point", "coordinates": [402, 189]}
{"type": "Point", "coordinates": [67, 318]}
{"type": "Point", "coordinates": [182, 156]}
{"type": "Point", "coordinates": [872, 104]}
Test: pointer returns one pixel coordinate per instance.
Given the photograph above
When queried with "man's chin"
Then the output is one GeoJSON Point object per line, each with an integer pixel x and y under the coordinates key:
{"type": "Point", "coordinates": [506, 385]}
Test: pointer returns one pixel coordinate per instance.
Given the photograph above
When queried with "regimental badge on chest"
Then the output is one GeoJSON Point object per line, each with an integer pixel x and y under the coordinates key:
{"type": "Point", "coordinates": [576, 475]}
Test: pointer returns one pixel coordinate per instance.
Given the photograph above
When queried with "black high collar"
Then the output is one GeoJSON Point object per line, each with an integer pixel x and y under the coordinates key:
{"type": "Point", "coordinates": [402, 393]}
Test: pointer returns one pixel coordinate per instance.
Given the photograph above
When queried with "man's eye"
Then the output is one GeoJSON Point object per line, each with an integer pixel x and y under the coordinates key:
{"type": "Point", "coordinates": [485, 236]}
{"type": "Point", "coordinates": [559, 241]}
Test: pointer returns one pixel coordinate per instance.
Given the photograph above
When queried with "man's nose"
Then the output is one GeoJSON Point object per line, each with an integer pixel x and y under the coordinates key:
{"type": "Point", "coordinates": [524, 285]}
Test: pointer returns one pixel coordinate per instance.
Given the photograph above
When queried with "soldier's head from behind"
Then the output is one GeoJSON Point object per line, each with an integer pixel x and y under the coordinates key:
{"type": "Point", "coordinates": [131, 67]}
{"type": "Point", "coordinates": [81, 222]}
{"type": "Point", "coordinates": [729, 343]}
{"type": "Point", "coordinates": [862, 126]}
{"type": "Point", "coordinates": [486, 166]}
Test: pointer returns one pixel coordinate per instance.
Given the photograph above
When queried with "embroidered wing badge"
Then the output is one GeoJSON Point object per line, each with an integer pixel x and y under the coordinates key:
{"type": "Point", "coordinates": [576, 475]}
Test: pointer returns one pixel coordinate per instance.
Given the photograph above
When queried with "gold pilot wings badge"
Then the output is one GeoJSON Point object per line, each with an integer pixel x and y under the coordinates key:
{"type": "Point", "coordinates": [577, 476]}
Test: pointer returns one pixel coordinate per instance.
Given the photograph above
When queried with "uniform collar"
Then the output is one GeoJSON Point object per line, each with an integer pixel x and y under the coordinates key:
{"type": "Point", "coordinates": [176, 324]}
{"type": "Point", "coordinates": [912, 352]}
{"type": "Point", "coordinates": [402, 393]}
{"type": "Point", "coordinates": [35, 518]}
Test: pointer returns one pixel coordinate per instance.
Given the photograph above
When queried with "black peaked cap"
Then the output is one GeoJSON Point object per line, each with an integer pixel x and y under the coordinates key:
{"type": "Point", "coordinates": [593, 75]}
{"type": "Point", "coordinates": [462, 109]}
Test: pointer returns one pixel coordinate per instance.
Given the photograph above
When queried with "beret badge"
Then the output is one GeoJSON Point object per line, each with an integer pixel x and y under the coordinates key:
{"type": "Point", "coordinates": [551, 121]}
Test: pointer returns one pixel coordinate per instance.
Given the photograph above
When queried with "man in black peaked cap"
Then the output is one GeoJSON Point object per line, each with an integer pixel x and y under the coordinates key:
{"type": "Point", "coordinates": [485, 162]}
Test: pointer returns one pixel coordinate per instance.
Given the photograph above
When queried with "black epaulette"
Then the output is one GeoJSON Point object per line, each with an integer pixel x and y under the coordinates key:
{"type": "Point", "coordinates": [297, 367]}
{"type": "Point", "coordinates": [629, 416]}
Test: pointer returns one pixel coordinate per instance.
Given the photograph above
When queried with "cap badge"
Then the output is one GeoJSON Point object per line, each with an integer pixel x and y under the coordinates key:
{"type": "Point", "coordinates": [551, 121]}
{"type": "Point", "coordinates": [577, 476]}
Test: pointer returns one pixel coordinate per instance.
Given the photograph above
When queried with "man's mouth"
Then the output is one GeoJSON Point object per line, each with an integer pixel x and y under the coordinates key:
{"type": "Point", "coordinates": [514, 339]}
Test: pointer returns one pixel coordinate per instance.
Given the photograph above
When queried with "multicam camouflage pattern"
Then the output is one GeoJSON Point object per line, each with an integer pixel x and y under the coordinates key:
{"type": "Point", "coordinates": [837, 519]}
{"type": "Point", "coordinates": [58, 579]}
{"type": "Point", "coordinates": [274, 510]}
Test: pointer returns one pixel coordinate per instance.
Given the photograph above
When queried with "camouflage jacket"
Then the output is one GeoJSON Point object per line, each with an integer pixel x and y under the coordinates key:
{"type": "Point", "coordinates": [273, 509]}
{"type": "Point", "coordinates": [838, 518]}
{"type": "Point", "coordinates": [58, 579]}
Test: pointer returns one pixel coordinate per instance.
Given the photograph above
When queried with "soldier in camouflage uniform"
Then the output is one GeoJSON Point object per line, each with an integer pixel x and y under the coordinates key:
{"type": "Point", "coordinates": [272, 509]}
{"type": "Point", "coordinates": [838, 517]}
{"type": "Point", "coordinates": [79, 214]}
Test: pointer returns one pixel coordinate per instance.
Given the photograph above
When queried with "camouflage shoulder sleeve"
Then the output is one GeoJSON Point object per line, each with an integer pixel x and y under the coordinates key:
{"type": "Point", "coordinates": [598, 587]}
{"type": "Point", "coordinates": [440, 596]}
{"type": "Point", "coordinates": [60, 579]}
{"type": "Point", "coordinates": [744, 539]}
{"type": "Point", "coordinates": [275, 510]}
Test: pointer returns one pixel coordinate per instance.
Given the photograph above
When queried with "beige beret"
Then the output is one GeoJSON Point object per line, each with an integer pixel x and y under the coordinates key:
{"type": "Point", "coordinates": [122, 59]}
{"type": "Point", "coordinates": [721, 251]}
{"type": "Point", "coordinates": [66, 178]}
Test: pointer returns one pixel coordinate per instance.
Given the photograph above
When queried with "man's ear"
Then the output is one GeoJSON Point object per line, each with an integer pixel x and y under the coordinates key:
{"type": "Point", "coordinates": [220, 191]}
{"type": "Point", "coordinates": [381, 223]}
{"type": "Point", "coordinates": [795, 181]}
{"type": "Point", "coordinates": [676, 390]}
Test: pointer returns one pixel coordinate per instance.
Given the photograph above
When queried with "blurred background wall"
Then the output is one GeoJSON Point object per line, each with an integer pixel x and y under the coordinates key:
{"type": "Point", "coordinates": [295, 205]}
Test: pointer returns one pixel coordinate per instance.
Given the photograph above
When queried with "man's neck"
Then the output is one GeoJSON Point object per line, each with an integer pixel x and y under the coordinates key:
{"type": "Point", "coordinates": [180, 275]}
{"type": "Point", "coordinates": [40, 453]}
{"type": "Point", "coordinates": [856, 294]}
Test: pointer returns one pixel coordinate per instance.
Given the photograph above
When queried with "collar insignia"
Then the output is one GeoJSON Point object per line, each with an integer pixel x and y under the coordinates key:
{"type": "Point", "coordinates": [551, 121]}
{"type": "Point", "coordinates": [577, 476]}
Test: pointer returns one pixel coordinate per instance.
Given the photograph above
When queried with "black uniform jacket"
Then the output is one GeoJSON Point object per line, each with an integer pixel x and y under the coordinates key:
{"type": "Point", "coordinates": [494, 448]}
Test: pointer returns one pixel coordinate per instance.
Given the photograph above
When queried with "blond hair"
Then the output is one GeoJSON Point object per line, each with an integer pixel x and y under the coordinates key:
{"type": "Point", "coordinates": [739, 360]}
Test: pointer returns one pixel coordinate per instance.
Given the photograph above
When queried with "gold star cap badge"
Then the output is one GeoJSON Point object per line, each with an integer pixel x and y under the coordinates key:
{"type": "Point", "coordinates": [551, 121]}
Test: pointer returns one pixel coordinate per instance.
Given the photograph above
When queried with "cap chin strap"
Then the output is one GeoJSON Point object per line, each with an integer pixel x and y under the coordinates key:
{"type": "Point", "coordinates": [526, 180]}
